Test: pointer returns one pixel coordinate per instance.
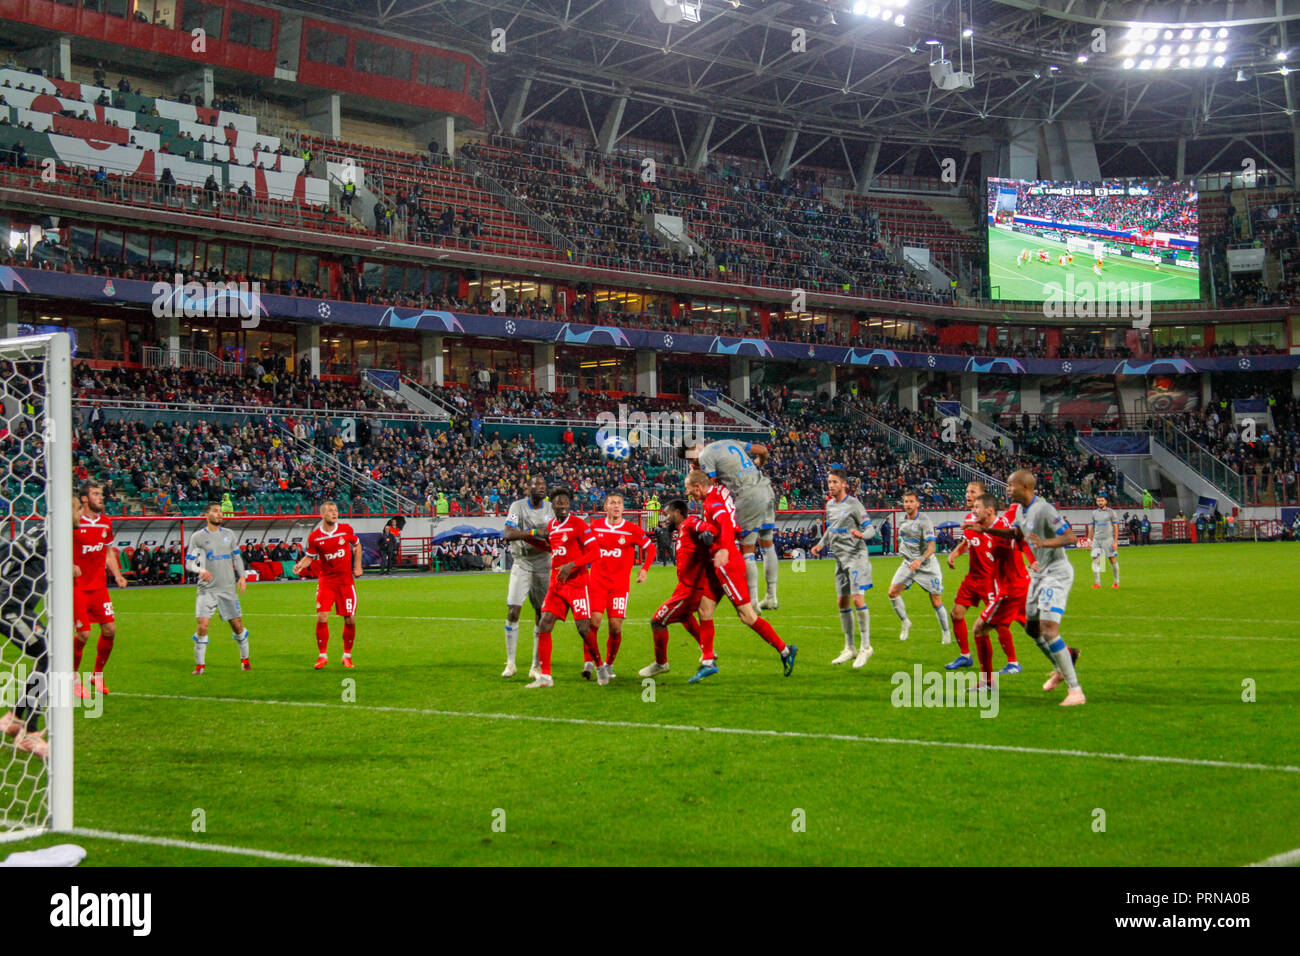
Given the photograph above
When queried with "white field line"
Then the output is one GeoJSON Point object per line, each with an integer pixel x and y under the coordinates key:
{"type": "Point", "coordinates": [725, 620]}
{"type": "Point", "coordinates": [741, 731]}
{"type": "Point", "coordinates": [1289, 858]}
{"type": "Point", "coordinates": [211, 847]}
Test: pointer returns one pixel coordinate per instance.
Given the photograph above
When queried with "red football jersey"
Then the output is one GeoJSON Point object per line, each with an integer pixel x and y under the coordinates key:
{"type": "Point", "coordinates": [332, 552]}
{"type": "Point", "coordinates": [571, 540]}
{"type": "Point", "coordinates": [979, 546]}
{"type": "Point", "coordinates": [692, 556]}
{"type": "Point", "coordinates": [91, 542]}
{"type": "Point", "coordinates": [616, 551]}
{"type": "Point", "coordinates": [720, 509]}
{"type": "Point", "coordinates": [1012, 577]}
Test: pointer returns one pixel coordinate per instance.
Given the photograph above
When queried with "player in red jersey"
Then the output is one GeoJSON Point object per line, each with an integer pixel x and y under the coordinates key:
{"type": "Point", "coordinates": [611, 572]}
{"type": "Point", "coordinates": [93, 555]}
{"type": "Point", "coordinates": [693, 537]}
{"type": "Point", "coordinates": [977, 586]}
{"type": "Point", "coordinates": [336, 547]}
{"type": "Point", "coordinates": [573, 548]}
{"type": "Point", "coordinates": [726, 572]}
{"type": "Point", "coordinates": [1010, 581]}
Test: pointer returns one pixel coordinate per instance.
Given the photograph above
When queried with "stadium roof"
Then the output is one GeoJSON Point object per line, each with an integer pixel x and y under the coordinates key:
{"type": "Point", "coordinates": [864, 79]}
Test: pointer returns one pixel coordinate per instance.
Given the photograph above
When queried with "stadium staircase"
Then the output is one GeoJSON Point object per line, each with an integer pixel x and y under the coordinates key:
{"type": "Point", "coordinates": [715, 401]}
{"type": "Point", "coordinates": [1191, 464]}
{"type": "Point", "coordinates": [954, 488]}
{"type": "Point", "coordinates": [540, 225]}
{"type": "Point", "coordinates": [387, 499]}
{"type": "Point", "coordinates": [412, 393]}
{"type": "Point", "coordinates": [981, 430]}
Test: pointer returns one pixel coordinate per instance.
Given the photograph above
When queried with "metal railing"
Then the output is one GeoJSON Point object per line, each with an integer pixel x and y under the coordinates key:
{"type": "Point", "coordinates": [896, 437]}
{"type": "Point", "coordinates": [153, 356]}
{"type": "Point", "coordinates": [253, 411]}
{"type": "Point", "coordinates": [389, 498]}
{"type": "Point", "coordinates": [1201, 460]}
{"type": "Point", "coordinates": [447, 408]}
{"type": "Point", "coordinates": [543, 227]}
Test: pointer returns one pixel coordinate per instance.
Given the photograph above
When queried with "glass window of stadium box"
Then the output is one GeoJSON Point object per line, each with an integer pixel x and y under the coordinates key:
{"type": "Point", "coordinates": [137, 248]}
{"type": "Point", "coordinates": [259, 262]}
{"type": "Point", "coordinates": [110, 244]}
{"type": "Point", "coordinates": [195, 14]}
{"type": "Point", "coordinates": [248, 29]}
{"type": "Point", "coordinates": [160, 13]}
{"type": "Point", "coordinates": [328, 48]}
{"type": "Point", "coordinates": [1265, 334]}
{"type": "Point", "coordinates": [116, 8]}
{"type": "Point", "coordinates": [592, 370]}
{"type": "Point", "coordinates": [1186, 335]}
{"type": "Point", "coordinates": [265, 347]}
{"type": "Point", "coordinates": [81, 240]}
{"type": "Point", "coordinates": [164, 251]}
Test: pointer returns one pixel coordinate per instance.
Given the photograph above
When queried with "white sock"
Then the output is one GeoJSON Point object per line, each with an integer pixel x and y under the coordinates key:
{"type": "Point", "coordinates": [941, 613]}
{"type": "Point", "coordinates": [512, 641]}
{"type": "Point", "coordinates": [536, 638]}
{"type": "Point", "coordinates": [864, 627]}
{"type": "Point", "coordinates": [200, 649]}
{"type": "Point", "coordinates": [1117, 572]}
{"type": "Point", "coordinates": [751, 575]}
{"type": "Point", "coordinates": [846, 624]}
{"type": "Point", "coordinates": [242, 640]}
{"type": "Point", "coordinates": [899, 608]}
{"type": "Point", "coordinates": [771, 564]}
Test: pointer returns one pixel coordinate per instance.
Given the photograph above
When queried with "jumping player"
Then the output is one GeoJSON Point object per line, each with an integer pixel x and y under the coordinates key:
{"type": "Point", "coordinates": [337, 548]}
{"type": "Point", "coordinates": [736, 465]}
{"type": "Point", "coordinates": [848, 529]}
{"type": "Point", "coordinates": [916, 544]}
{"type": "Point", "coordinates": [1105, 535]}
{"type": "Point", "coordinates": [726, 572]}
{"type": "Point", "coordinates": [693, 536]}
{"type": "Point", "coordinates": [213, 555]}
{"type": "Point", "coordinates": [93, 552]}
{"type": "Point", "coordinates": [530, 574]}
{"type": "Point", "coordinates": [1050, 577]}
{"type": "Point", "coordinates": [572, 546]}
{"type": "Point", "coordinates": [616, 544]}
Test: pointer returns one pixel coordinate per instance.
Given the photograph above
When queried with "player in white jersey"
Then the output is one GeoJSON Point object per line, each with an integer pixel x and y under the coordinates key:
{"type": "Point", "coordinates": [530, 575]}
{"type": "Point", "coordinates": [735, 465]}
{"type": "Point", "coordinates": [916, 545]}
{"type": "Point", "coordinates": [1050, 577]}
{"type": "Point", "coordinates": [1105, 540]}
{"type": "Point", "coordinates": [848, 529]}
{"type": "Point", "coordinates": [213, 555]}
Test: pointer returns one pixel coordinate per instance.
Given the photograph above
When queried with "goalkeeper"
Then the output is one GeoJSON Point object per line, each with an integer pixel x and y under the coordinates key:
{"type": "Point", "coordinates": [22, 589]}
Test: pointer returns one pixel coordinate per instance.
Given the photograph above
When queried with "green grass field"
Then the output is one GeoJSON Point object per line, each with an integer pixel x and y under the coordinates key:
{"type": "Point", "coordinates": [436, 746]}
{"type": "Point", "coordinates": [1029, 282]}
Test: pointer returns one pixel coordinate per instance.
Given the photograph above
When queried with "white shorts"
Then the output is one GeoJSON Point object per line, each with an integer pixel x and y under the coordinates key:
{"type": "Point", "coordinates": [1049, 592]}
{"type": "Point", "coordinates": [928, 576]}
{"type": "Point", "coordinates": [526, 582]}
{"type": "Point", "coordinates": [225, 603]}
{"type": "Point", "coordinates": [852, 577]}
{"type": "Point", "coordinates": [1104, 549]}
{"type": "Point", "coordinates": [755, 512]}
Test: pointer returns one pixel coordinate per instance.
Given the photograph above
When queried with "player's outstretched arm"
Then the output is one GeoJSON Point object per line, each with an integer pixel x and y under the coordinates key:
{"type": "Point", "coordinates": [302, 564]}
{"type": "Point", "coordinates": [759, 453]}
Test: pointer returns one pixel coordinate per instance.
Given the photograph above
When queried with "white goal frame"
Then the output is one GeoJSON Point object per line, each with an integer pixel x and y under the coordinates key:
{"type": "Point", "coordinates": [56, 351]}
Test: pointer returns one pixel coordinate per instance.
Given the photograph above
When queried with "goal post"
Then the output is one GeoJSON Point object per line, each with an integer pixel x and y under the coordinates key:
{"type": "Point", "coordinates": [1091, 247]}
{"type": "Point", "coordinates": [36, 616]}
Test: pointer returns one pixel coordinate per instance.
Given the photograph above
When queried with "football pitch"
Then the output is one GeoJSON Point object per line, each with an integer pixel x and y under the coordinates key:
{"type": "Point", "coordinates": [438, 760]}
{"type": "Point", "coordinates": [1030, 282]}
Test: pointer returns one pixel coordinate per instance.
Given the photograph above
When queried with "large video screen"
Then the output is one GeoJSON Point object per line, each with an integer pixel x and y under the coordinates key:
{"type": "Point", "coordinates": [1046, 236]}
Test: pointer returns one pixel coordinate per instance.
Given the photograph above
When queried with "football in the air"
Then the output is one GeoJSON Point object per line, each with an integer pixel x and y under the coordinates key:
{"type": "Point", "coordinates": [615, 448]}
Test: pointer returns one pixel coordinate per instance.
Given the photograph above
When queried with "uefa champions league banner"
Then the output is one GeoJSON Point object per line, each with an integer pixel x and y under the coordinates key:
{"type": "Point", "coordinates": [97, 289]}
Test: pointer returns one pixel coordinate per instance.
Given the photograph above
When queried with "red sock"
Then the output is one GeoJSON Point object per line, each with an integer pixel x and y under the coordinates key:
{"type": "Point", "coordinates": [706, 639]}
{"type": "Point", "coordinates": [959, 628]}
{"type": "Point", "coordinates": [78, 647]}
{"type": "Point", "coordinates": [593, 647]}
{"type": "Point", "coordinates": [661, 644]}
{"type": "Point", "coordinates": [349, 635]}
{"type": "Point", "coordinates": [544, 651]}
{"type": "Point", "coordinates": [693, 628]}
{"type": "Point", "coordinates": [764, 630]}
{"type": "Point", "coordinates": [611, 645]}
{"type": "Point", "coordinates": [322, 636]}
{"type": "Point", "coordinates": [984, 647]}
{"type": "Point", "coordinates": [102, 650]}
{"type": "Point", "coordinates": [586, 654]}
{"type": "Point", "coordinates": [1008, 645]}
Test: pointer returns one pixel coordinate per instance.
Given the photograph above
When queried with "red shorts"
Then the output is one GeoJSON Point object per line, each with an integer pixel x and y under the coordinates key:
{"type": "Point", "coordinates": [563, 595]}
{"type": "Point", "coordinates": [339, 595]}
{"type": "Point", "coordinates": [972, 592]}
{"type": "Point", "coordinates": [730, 579]}
{"type": "Point", "coordinates": [681, 604]}
{"type": "Point", "coordinates": [1004, 609]}
{"type": "Point", "coordinates": [605, 598]}
{"type": "Point", "coordinates": [91, 607]}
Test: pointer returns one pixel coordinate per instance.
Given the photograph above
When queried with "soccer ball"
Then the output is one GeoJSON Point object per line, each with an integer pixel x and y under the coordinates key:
{"type": "Point", "coordinates": [615, 448]}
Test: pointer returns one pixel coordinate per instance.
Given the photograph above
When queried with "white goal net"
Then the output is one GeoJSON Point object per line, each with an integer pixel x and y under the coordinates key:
{"type": "Point", "coordinates": [35, 585]}
{"type": "Point", "coordinates": [1088, 247]}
